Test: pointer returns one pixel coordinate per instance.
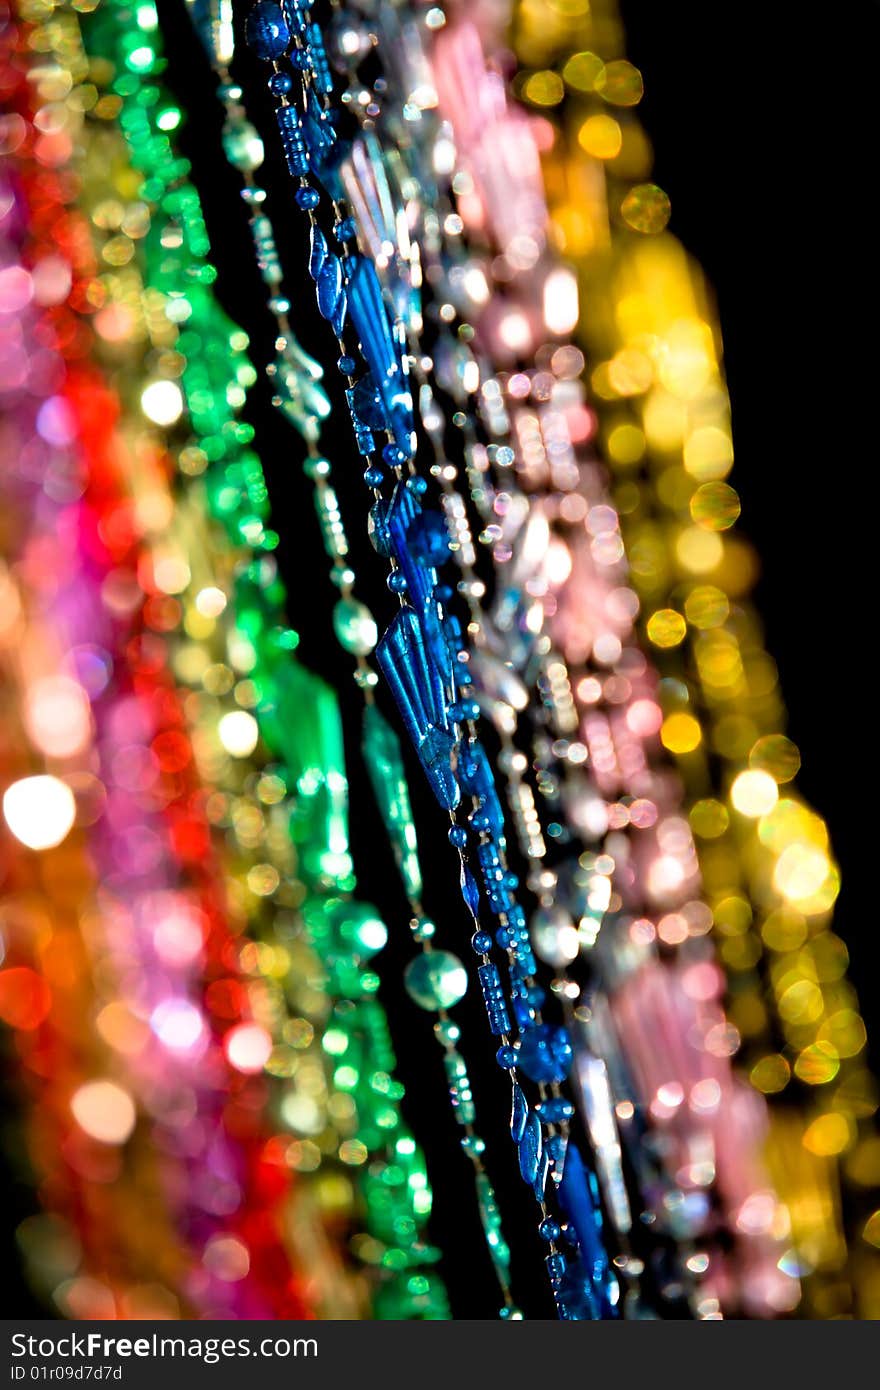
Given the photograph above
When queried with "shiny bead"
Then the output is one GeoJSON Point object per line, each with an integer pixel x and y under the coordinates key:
{"type": "Point", "coordinates": [373, 477]}
{"type": "Point", "coordinates": [545, 1053]}
{"type": "Point", "coordinates": [465, 709]}
{"type": "Point", "coordinates": [469, 890]}
{"type": "Point", "coordinates": [554, 936]}
{"type": "Point", "coordinates": [506, 1057]}
{"type": "Point", "coordinates": [346, 365]}
{"type": "Point", "coordinates": [480, 822]}
{"type": "Point", "coordinates": [549, 1229]}
{"type": "Point", "coordinates": [458, 836]}
{"type": "Point", "coordinates": [359, 924]}
{"type": "Point", "coordinates": [418, 485]}
{"type": "Point", "coordinates": [280, 84]}
{"type": "Point", "coordinates": [435, 980]}
{"type": "Point", "coordinates": [442, 593]}
{"type": "Point", "coordinates": [511, 1313]}
{"type": "Point", "coordinates": [397, 582]}
{"type": "Point", "coordinates": [242, 145]}
{"type": "Point", "coordinates": [422, 928]}
{"type": "Point", "coordinates": [307, 198]}
{"type": "Point", "coordinates": [345, 230]}
{"type": "Point", "coordinates": [355, 627]}
{"type": "Point", "coordinates": [473, 1145]}
{"type": "Point", "coordinates": [446, 1032]}
{"type": "Point", "coordinates": [481, 941]}
{"type": "Point", "coordinates": [393, 456]}
{"type": "Point", "coordinates": [519, 1114]}
{"type": "Point", "coordinates": [266, 30]}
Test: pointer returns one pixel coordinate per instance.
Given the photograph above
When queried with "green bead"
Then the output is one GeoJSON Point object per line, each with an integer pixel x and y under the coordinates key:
{"type": "Point", "coordinates": [242, 145]}
{"type": "Point", "coordinates": [384, 762]}
{"type": "Point", "coordinates": [435, 980]}
{"type": "Point", "coordinates": [490, 1216]}
{"type": "Point", "coordinates": [355, 627]}
{"type": "Point", "coordinates": [447, 1032]}
{"type": "Point", "coordinates": [359, 926]}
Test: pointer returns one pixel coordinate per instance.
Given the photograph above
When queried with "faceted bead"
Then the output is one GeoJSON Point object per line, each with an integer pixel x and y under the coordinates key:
{"type": "Point", "coordinates": [554, 936]}
{"type": "Point", "coordinates": [266, 30]}
{"type": "Point", "coordinates": [469, 890]}
{"type": "Point", "coordinates": [545, 1053]}
{"type": "Point", "coordinates": [435, 980]}
{"type": "Point", "coordinates": [355, 627]}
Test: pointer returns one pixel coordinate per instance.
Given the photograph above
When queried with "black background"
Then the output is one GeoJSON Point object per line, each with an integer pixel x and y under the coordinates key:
{"type": "Point", "coordinates": [761, 118]}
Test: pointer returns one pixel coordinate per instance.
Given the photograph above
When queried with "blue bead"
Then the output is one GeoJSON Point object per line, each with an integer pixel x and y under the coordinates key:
{"type": "Point", "coordinates": [469, 890]}
{"type": "Point", "coordinates": [266, 30]}
{"type": "Point", "coordinates": [549, 1229]}
{"type": "Point", "coordinates": [519, 1112]}
{"type": "Point", "coordinates": [393, 456]}
{"type": "Point", "coordinates": [397, 582]}
{"type": "Point", "coordinates": [408, 658]}
{"type": "Point", "coordinates": [346, 365]}
{"type": "Point", "coordinates": [329, 286]}
{"type": "Point", "coordinates": [458, 836]}
{"type": "Point", "coordinates": [443, 593]}
{"type": "Point", "coordinates": [280, 84]}
{"type": "Point", "coordinates": [506, 1057]}
{"type": "Point", "coordinates": [481, 942]}
{"type": "Point", "coordinates": [307, 198]}
{"type": "Point", "coordinates": [345, 230]}
{"type": "Point", "coordinates": [293, 141]}
{"type": "Point", "coordinates": [530, 1148]}
{"type": "Point", "coordinates": [418, 485]}
{"type": "Point", "coordinates": [511, 880]}
{"type": "Point", "coordinates": [373, 477]}
{"type": "Point", "coordinates": [479, 821]}
{"type": "Point", "coordinates": [545, 1053]}
{"type": "Point", "coordinates": [465, 709]}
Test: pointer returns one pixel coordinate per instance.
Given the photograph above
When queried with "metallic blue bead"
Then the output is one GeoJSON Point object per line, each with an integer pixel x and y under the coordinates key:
{"type": "Point", "coordinates": [293, 141]}
{"type": "Point", "coordinates": [367, 403]}
{"type": "Point", "coordinates": [530, 1148]}
{"type": "Point", "coordinates": [549, 1229]}
{"type": "Point", "coordinates": [519, 1112]}
{"type": "Point", "coordinates": [407, 656]}
{"type": "Point", "coordinates": [511, 880]}
{"type": "Point", "coordinates": [317, 242]}
{"type": "Point", "coordinates": [329, 285]}
{"type": "Point", "coordinates": [429, 535]}
{"type": "Point", "coordinates": [469, 890]}
{"type": "Point", "coordinates": [345, 230]}
{"type": "Point", "coordinates": [397, 582]}
{"type": "Point", "coordinates": [346, 365]}
{"type": "Point", "coordinates": [481, 942]}
{"type": "Point", "coordinates": [393, 456]}
{"type": "Point", "coordinates": [266, 30]}
{"type": "Point", "coordinates": [478, 820]}
{"type": "Point", "coordinates": [458, 836]}
{"type": "Point", "coordinates": [307, 198]}
{"type": "Point", "coordinates": [418, 485]}
{"type": "Point", "coordinates": [545, 1053]}
{"type": "Point", "coordinates": [556, 1110]}
{"type": "Point", "coordinates": [280, 84]}
{"type": "Point", "coordinates": [373, 477]}
{"type": "Point", "coordinates": [506, 1057]}
{"type": "Point", "coordinates": [465, 709]}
